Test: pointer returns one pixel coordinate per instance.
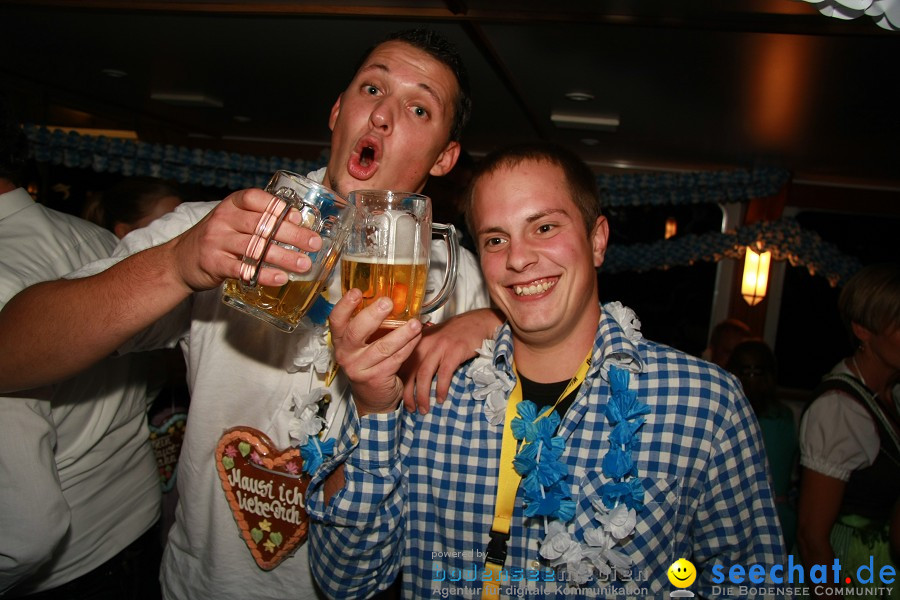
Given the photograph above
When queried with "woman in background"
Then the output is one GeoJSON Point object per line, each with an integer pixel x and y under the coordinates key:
{"type": "Point", "coordinates": [850, 435]}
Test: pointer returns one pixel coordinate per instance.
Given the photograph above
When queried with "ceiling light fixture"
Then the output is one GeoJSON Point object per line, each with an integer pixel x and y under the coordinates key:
{"type": "Point", "coordinates": [187, 99]}
{"type": "Point", "coordinates": [592, 121]}
{"type": "Point", "coordinates": [756, 274]}
{"type": "Point", "coordinates": [580, 96]}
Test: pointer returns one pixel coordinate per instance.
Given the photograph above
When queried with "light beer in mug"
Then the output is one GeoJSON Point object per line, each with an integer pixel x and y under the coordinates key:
{"type": "Point", "coordinates": [402, 282]}
{"type": "Point", "coordinates": [288, 302]}
{"type": "Point", "coordinates": [285, 305]}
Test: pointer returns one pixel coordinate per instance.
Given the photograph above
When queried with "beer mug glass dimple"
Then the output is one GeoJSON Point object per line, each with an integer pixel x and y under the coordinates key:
{"type": "Point", "coordinates": [322, 211]}
{"type": "Point", "coordinates": [388, 251]}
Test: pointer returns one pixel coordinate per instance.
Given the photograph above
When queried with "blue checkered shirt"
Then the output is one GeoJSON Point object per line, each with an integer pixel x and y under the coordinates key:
{"type": "Point", "coordinates": [420, 490]}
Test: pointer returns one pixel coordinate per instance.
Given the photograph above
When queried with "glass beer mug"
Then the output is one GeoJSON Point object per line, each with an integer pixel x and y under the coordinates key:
{"type": "Point", "coordinates": [388, 251]}
{"type": "Point", "coordinates": [322, 211]}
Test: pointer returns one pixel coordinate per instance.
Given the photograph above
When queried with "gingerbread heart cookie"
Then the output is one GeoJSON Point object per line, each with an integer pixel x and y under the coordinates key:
{"type": "Point", "coordinates": [266, 489]}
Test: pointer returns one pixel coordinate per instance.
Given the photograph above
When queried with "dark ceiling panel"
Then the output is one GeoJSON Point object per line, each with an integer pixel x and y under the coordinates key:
{"type": "Point", "coordinates": [746, 83]}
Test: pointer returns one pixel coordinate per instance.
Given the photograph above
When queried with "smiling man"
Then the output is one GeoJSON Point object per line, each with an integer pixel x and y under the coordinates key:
{"type": "Point", "coordinates": [397, 122]}
{"type": "Point", "coordinates": [572, 452]}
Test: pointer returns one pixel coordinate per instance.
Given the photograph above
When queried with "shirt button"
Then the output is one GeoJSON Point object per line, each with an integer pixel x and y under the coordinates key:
{"type": "Point", "coordinates": [354, 439]}
{"type": "Point", "coordinates": [535, 564]}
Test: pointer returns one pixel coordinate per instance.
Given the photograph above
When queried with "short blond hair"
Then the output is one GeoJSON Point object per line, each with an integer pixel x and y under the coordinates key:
{"type": "Point", "coordinates": [871, 298]}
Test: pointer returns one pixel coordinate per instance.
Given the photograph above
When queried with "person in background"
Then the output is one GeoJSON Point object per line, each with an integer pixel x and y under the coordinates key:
{"type": "Point", "coordinates": [753, 362]}
{"type": "Point", "coordinates": [131, 204]}
{"type": "Point", "coordinates": [724, 337]}
{"type": "Point", "coordinates": [631, 454]}
{"type": "Point", "coordinates": [850, 433]}
{"type": "Point", "coordinates": [127, 205]}
{"type": "Point", "coordinates": [398, 121]}
{"type": "Point", "coordinates": [79, 493]}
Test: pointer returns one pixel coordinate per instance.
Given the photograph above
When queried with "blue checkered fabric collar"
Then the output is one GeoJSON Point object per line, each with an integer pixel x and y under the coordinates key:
{"type": "Point", "coordinates": [615, 343]}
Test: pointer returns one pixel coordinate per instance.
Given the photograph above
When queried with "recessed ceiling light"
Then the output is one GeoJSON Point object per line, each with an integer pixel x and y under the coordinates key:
{"type": "Point", "coordinates": [187, 99]}
{"type": "Point", "coordinates": [592, 121]}
{"type": "Point", "coordinates": [579, 96]}
{"type": "Point", "coordinates": [114, 73]}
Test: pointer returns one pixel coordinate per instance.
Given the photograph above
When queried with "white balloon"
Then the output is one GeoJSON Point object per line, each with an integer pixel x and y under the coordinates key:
{"type": "Point", "coordinates": [891, 11]}
{"type": "Point", "coordinates": [855, 4]}
{"type": "Point", "coordinates": [832, 9]}
{"type": "Point", "coordinates": [876, 10]}
{"type": "Point", "coordinates": [885, 13]}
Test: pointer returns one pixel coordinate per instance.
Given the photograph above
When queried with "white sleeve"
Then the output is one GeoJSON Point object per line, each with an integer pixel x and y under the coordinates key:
{"type": "Point", "coordinates": [160, 231]}
{"type": "Point", "coordinates": [34, 515]}
{"type": "Point", "coordinates": [166, 332]}
{"type": "Point", "coordinates": [837, 436]}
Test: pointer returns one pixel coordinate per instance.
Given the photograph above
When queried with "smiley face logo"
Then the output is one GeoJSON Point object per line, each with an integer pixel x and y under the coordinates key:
{"type": "Point", "coordinates": [682, 573]}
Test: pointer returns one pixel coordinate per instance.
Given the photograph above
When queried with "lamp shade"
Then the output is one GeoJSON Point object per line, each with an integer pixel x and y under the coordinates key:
{"type": "Point", "coordinates": [756, 276]}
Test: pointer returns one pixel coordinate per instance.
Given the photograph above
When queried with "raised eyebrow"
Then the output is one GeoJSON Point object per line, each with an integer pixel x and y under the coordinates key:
{"type": "Point", "coordinates": [546, 213]}
{"type": "Point", "coordinates": [489, 231]}
{"type": "Point", "coordinates": [373, 67]}
{"type": "Point", "coordinates": [530, 219]}
{"type": "Point", "coordinates": [424, 86]}
{"type": "Point", "coordinates": [434, 95]}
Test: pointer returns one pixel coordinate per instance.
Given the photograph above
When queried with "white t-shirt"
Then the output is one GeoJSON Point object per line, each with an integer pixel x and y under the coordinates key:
{"type": "Point", "coordinates": [79, 480]}
{"type": "Point", "coordinates": [240, 374]}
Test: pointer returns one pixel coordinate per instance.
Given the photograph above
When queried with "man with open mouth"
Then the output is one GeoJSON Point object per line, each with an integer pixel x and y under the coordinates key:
{"type": "Point", "coordinates": [397, 123]}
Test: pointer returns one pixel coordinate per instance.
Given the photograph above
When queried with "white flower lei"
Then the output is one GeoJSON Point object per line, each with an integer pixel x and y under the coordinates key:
{"type": "Point", "coordinates": [494, 384]}
{"type": "Point", "coordinates": [306, 421]}
{"type": "Point", "coordinates": [314, 353]}
{"type": "Point", "coordinates": [626, 318]}
{"type": "Point", "coordinates": [313, 349]}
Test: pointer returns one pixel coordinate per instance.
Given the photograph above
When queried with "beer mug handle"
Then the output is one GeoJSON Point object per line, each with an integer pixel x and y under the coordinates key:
{"type": "Point", "coordinates": [448, 232]}
{"type": "Point", "coordinates": [259, 244]}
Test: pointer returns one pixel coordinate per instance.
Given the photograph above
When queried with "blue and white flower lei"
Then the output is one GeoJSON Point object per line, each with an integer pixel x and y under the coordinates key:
{"type": "Point", "coordinates": [543, 474]}
{"type": "Point", "coordinates": [546, 492]}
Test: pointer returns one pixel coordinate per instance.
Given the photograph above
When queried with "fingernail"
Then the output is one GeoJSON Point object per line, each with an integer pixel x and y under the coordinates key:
{"type": "Point", "coordinates": [295, 217]}
{"type": "Point", "coordinates": [303, 263]}
{"type": "Point", "coordinates": [415, 325]}
{"type": "Point", "coordinates": [315, 243]}
{"type": "Point", "coordinates": [281, 278]}
{"type": "Point", "coordinates": [385, 304]}
{"type": "Point", "coordinates": [354, 295]}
